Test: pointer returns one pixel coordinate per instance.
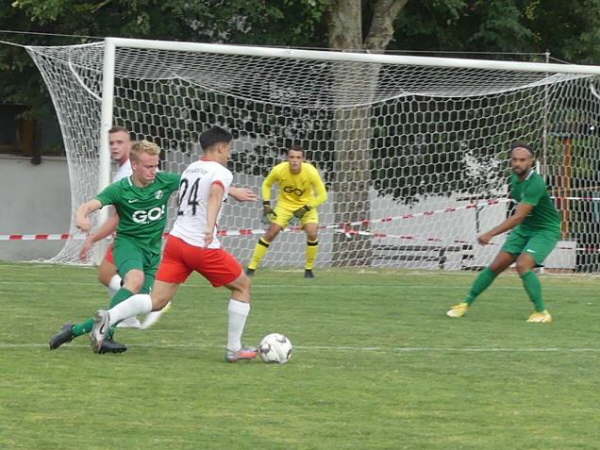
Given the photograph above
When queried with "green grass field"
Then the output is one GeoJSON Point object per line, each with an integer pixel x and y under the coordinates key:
{"type": "Point", "coordinates": [377, 365]}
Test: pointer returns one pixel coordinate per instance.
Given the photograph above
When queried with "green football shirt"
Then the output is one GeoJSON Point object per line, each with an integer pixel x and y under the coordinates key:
{"type": "Point", "coordinates": [532, 191]}
{"type": "Point", "coordinates": [142, 210]}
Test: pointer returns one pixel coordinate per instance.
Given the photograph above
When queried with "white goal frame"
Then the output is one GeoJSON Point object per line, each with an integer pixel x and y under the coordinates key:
{"type": "Point", "coordinates": [396, 137]}
{"type": "Point", "coordinates": [111, 44]}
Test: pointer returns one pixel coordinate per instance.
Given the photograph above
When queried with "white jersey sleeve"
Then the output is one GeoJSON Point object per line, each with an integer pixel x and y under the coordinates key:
{"type": "Point", "coordinates": [124, 170]}
{"type": "Point", "coordinates": [192, 200]}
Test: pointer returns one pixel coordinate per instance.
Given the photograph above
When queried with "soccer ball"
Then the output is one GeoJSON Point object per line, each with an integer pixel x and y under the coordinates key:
{"type": "Point", "coordinates": [275, 348]}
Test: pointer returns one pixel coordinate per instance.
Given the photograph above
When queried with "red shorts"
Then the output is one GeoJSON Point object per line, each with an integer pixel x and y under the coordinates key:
{"type": "Point", "coordinates": [109, 255]}
{"type": "Point", "coordinates": [180, 259]}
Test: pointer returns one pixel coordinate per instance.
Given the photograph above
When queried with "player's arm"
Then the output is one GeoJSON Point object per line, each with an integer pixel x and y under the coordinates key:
{"type": "Point", "coordinates": [522, 211]}
{"type": "Point", "coordinates": [107, 229]}
{"type": "Point", "coordinates": [215, 199]}
{"type": "Point", "coordinates": [82, 219]}
{"type": "Point", "coordinates": [242, 194]}
{"type": "Point", "coordinates": [320, 194]}
{"type": "Point", "coordinates": [268, 212]}
{"type": "Point", "coordinates": [108, 196]}
{"type": "Point", "coordinates": [319, 190]}
{"type": "Point", "coordinates": [267, 184]}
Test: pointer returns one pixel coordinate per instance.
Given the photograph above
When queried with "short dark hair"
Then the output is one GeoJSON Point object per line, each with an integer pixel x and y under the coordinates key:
{"type": "Point", "coordinates": [527, 147]}
{"type": "Point", "coordinates": [296, 148]}
{"type": "Point", "coordinates": [117, 129]}
{"type": "Point", "coordinates": [213, 136]}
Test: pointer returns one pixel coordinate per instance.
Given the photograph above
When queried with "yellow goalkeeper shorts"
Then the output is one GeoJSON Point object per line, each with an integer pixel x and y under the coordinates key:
{"type": "Point", "coordinates": [285, 214]}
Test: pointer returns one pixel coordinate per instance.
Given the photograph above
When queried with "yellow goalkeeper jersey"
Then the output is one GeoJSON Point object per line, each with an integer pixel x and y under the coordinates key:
{"type": "Point", "coordinates": [295, 190]}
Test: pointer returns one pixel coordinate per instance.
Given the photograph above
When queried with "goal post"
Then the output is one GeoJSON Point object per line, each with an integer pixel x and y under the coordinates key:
{"type": "Point", "coordinates": [413, 149]}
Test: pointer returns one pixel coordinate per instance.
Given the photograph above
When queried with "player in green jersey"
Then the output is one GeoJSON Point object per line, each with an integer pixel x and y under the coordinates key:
{"type": "Point", "coordinates": [141, 204]}
{"type": "Point", "coordinates": [535, 229]}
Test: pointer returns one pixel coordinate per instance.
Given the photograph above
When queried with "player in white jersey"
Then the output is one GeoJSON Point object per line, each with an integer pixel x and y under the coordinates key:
{"type": "Point", "coordinates": [192, 245]}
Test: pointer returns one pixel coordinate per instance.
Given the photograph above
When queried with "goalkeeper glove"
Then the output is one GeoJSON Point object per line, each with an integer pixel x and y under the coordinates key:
{"type": "Point", "coordinates": [299, 213]}
{"type": "Point", "coordinates": [268, 213]}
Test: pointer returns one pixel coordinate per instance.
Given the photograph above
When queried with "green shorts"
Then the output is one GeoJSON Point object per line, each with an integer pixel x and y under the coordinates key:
{"type": "Point", "coordinates": [128, 255]}
{"type": "Point", "coordinates": [538, 244]}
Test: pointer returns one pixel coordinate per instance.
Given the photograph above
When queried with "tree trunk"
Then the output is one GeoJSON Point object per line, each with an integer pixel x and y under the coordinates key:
{"type": "Point", "coordinates": [353, 130]}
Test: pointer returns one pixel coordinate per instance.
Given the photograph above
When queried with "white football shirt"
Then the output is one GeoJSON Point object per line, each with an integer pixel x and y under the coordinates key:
{"type": "Point", "coordinates": [192, 199]}
{"type": "Point", "coordinates": [124, 170]}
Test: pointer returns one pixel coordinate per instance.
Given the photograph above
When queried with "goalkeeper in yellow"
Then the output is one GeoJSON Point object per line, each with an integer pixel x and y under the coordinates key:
{"type": "Point", "coordinates": [301, 191]}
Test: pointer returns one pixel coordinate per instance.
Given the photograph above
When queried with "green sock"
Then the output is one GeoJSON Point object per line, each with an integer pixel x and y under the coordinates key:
{"type": "Point", "coordinates": [86, 326]}
{"type": "Point", "coordinates": [83, 327]}
{"type": "Point", "coordinates": [481, 283]}
{"type": "Point", "coordinates": [533, 287]}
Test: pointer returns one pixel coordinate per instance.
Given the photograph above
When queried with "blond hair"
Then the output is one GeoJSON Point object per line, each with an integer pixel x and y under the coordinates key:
{"type": "Point", "coordinates": [144, 146]}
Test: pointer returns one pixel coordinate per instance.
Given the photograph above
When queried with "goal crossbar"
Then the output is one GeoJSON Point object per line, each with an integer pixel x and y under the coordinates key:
{"type": "Point", "coordinates": [484, 64]}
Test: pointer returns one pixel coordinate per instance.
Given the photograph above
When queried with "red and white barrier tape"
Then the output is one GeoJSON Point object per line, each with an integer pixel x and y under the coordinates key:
{"type": "Point", "coordinates": [36, 237]}
{"type": "Point", "coordinates": [339, 228]}
{"type": "Point", "coordinates": [250, 232]}
{"type": "Point", "coordinates": [420, 214]}
{"type": "Point", "coordinates": [442, 242]}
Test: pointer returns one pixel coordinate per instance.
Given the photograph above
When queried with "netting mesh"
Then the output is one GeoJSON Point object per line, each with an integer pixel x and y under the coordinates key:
{"type": "Point", "coordinates": [414, 157]}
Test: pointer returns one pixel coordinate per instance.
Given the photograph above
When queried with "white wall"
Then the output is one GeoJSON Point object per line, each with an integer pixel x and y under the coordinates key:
{"type": "Point", "coordinates": [34, 199]}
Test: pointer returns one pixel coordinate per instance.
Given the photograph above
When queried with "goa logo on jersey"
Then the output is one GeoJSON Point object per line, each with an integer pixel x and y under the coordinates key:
{"type": "Point", "coordinates": [293, 190]}
{"type": "Point", "coordinates": [158, 194]}
{"type": "Point", "coordinates": [144, 217]}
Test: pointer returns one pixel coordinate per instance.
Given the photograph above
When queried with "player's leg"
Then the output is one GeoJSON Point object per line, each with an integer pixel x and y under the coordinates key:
{"type": "Point", "coordinates": [155, 315]}
{"type": "Point", "coordinates": [537, 249]}
{"type": "Point", "coordinates": [129, 259]}
{"type": "Point", "coordinates": [238, 310]}
{"type": "Point", "coordinates": [281, 221]}
{"type": "Point", "coordinates": [310, 224]}
{"type": "Point", "coordinates": [130, 262]}
{"type": "Point", "coordinates": [107, 273]}
{"type": "Point", "coordinates": [131, 285]}
{"type": "Point", "coordinates": [173, 271]}
{"type": "Point", "coordinates": [222, 269]}
{"type": "Point", "coordinates": [162, 293]}
{"type": "Point", "coordinates": [485, 278]}
{"type": "Point", "coordinates": [132, 282]}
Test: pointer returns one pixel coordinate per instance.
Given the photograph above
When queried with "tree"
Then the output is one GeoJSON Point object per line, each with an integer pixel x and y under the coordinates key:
{"type": "Point", "coordinates": [353, 143]}
{"type": "Point", "coordinates": [227, 21]}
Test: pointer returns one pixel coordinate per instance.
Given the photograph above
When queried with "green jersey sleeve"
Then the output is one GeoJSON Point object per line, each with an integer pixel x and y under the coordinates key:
{"type": "Point", "coordinates": [109, 195]}
{"type": "Point", "coordinates": [172, 180]}
{"type": "Point", "coordinates": [534, 192]}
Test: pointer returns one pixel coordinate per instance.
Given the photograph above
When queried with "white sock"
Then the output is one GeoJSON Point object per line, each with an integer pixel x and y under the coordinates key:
{"type": "Point", "coordinates": [238, 312]}
{"type": "Point", "coordinates": [114, 285]}
{"type": "Point", "coordinates": [134, 305]}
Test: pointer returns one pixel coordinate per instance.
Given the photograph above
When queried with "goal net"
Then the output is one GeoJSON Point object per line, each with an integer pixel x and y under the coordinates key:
{"type": "Point", "coordinates": [414, 151]}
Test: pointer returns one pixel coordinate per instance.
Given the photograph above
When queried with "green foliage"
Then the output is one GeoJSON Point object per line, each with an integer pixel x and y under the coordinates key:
{"type": "Point", "coordinates": [500, 27]}
{"type": "Point", "coordinates": [570, 30]}
{"type": "Point", "coordinates": [464, 26]}
{"type": "Point", "coordinates": [292, 23]}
